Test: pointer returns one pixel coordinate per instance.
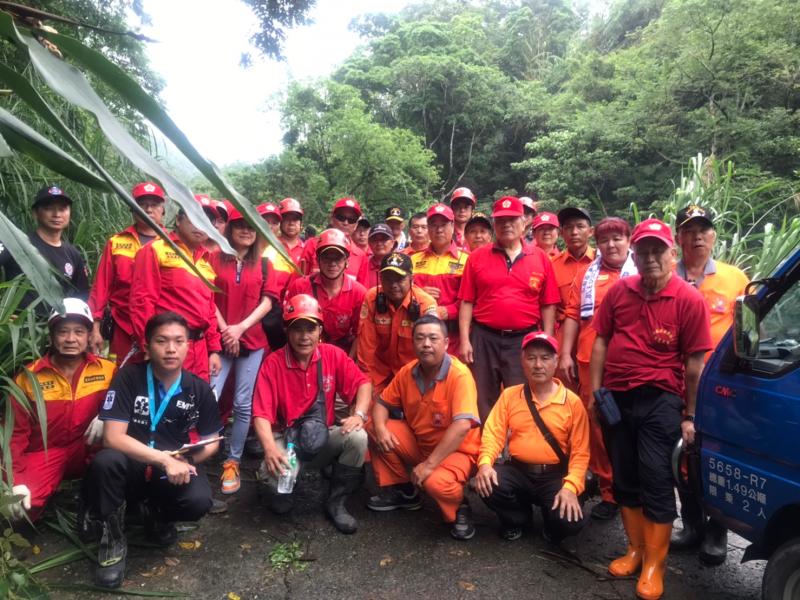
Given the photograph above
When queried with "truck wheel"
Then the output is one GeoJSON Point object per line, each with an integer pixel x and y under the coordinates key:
{"type": "Point", "coordinates": [782, 575]}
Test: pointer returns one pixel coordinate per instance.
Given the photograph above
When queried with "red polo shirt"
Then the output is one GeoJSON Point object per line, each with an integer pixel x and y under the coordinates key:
{"type": "Point", "coordinates": [297, 252]}
{"type": "Point", "coordinates": [242, 286]}
{"type": "Point", "coordinates": [356, 263]}
{"type": "Point", "coordinates": [650, 338]}
{"type": "Point", "coordinates": [340, 314]}
{"type": "Point", "coordinates": [372, 276]}
{"type": "Point", "coordinates": [508, 295]}
{"type": "Point", "coordinates": [285, 391]}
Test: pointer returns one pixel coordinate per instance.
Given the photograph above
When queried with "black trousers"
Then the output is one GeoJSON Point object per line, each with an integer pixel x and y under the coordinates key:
{"type": "Point", "coordinates": [640, 448]}
{"type": "Point", "coordinates": [113, 478]}
{"type": "Point", "coordinates": [496, 364]}
{"type": "Point", "coordinates": [516, 491]}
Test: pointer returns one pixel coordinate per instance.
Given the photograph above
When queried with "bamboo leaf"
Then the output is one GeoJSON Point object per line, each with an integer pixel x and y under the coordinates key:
{"type": "Point", "coordinates": [79, 587]}
{"type": "Point", "coordinates": [5, 149]}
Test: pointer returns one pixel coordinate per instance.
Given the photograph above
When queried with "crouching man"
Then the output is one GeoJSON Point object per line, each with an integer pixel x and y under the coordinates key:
{"type": "Point", "coordinates": [426, 432]}
{"type": "Point", "coordinates": [548, 447]}
{"type": "Point", "coordinates": [293, 403]}
{"type": "Point", "coordinates": [148, 413]}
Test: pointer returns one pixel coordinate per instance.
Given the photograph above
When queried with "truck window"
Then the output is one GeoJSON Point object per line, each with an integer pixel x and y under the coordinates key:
{"type": "Point", "coordinates": [779, 340]}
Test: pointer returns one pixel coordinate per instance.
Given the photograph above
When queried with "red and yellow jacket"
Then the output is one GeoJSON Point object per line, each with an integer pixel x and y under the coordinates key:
{"type": "Point", "coordinates": [162, 282]}
{"type": "Point", "coordinates": [442, 272]}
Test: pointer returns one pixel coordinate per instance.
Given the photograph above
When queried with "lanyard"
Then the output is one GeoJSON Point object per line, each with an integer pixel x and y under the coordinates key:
{"type": "Point", "coordinates": [155, 417]}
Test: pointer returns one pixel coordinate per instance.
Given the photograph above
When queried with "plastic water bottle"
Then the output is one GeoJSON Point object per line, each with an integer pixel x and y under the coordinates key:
{"type": "Point", "coordinates": [289, 476]}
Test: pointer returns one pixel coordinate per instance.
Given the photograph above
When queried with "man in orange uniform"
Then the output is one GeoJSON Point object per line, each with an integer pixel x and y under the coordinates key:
{"type": "Point", "coordinates": [536, 473]}
{"type": "Point", "coordinates": [291, 226]}
{"type": "Point", "coordinates": [463, 203]}
{"type": "Point", "coordinates": [439, 267]}
{"type": "Point", "coordinates": [73, 384]}
{"type": "Point", "coordinates": [545, 233]}
{"type": "Point", "coordinates": [437, 436]}
{"type": "Point", "coordinates": [720, 284]}
{"type": "Point", "coordinates": [613, 261]}
{"type": "Point", "coordinates": [387, 319]}
{"type": "Point", "coordinates": [344, 217]}
{"type": "Point", "coordinates": [112, 284]}
{"type": "Point", "coordinates": [163, 282]}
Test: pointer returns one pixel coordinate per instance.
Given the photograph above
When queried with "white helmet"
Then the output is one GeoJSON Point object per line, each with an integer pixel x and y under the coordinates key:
{"type": "Point", "coordinates": [75, 308]}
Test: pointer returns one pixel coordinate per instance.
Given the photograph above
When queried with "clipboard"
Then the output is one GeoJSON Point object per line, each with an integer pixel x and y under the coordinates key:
{"type": "Point", "coordinates": [187, 448]}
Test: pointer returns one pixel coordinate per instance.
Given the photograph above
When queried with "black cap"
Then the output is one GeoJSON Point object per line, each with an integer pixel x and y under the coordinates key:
{"type": "Point", "coordinates": [397, 262]}
{"type": "Point", "coordinates": [50, 192]}
{"type": "Point", "coordinates": [394, 213]}
{"type": "Point", "coordinates": [692, 212]}
{"type": "Point", "coordinates": [363, 222]}
{"type": "Point", "coordinates": [479, 217]}
{"type": "Point", "coordinates": [572, 212]}
{"type": "Point", "coordinates": [380, 229]}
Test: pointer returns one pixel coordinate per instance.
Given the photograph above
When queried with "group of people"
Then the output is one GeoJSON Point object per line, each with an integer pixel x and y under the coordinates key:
{"type": "Point", "coordinates": [472, 352]}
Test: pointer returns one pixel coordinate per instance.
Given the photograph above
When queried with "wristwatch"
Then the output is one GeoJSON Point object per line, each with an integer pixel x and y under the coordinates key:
{"type": "Point", "coordinates": [364, 416]}
{"type": "Point", "coordinates": [688, 418]}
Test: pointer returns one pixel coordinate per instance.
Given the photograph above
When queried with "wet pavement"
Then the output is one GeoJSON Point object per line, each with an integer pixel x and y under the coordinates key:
{"type": "Point", "coordinates": [397, 555]}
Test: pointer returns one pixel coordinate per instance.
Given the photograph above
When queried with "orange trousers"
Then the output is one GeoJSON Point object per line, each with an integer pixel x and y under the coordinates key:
{"type": "Point", "coordinates": [598, 459]}
{"type": "Point", "coordinates": [445, 485]}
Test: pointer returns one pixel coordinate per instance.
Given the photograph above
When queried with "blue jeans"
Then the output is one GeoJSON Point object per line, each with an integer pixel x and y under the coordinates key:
{"type": "Point", "coordinates": [245, 369]}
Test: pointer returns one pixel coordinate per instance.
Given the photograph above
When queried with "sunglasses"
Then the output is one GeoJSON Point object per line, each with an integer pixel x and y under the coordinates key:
{"type": "Point", "coordinates": [345, 219]}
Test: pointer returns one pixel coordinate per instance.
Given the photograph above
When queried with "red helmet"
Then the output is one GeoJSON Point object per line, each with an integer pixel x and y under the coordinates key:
{"type": "Point", "coordinates": [301, 306]}
{"type": "Point", "coordinates": [333, 238]}
{"type": "Point", "coordinates": [464, 192]}
{"type": "Point", "coordinates": [268, 208]}
{"type": "Point", "coordinates": [347, 203]}
{"type": "Point", "coordinates": [147, 189]}
{"type": "Point", "coordinates": [288, 205]}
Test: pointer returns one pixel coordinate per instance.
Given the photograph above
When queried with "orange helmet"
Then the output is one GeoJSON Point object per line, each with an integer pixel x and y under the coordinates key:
{"type": "Point", "coordinates": [333, 238]}
{"type": "Point", "coordinates": [289, 205]}
{"type": "Point", "coordinates": [301, 306]}
{"type": "Point", "coordinates": [463, 192]}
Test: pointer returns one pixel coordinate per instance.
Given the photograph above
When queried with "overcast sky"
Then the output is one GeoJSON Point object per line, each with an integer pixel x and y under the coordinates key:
{"type": "Point", "coordinates": [229, 112]}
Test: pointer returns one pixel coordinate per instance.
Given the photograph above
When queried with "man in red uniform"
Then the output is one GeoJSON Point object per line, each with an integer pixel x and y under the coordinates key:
{"type": "Point", "coordinates": [291, 225]}
{"type": "Point", "coordinates": [73, 383]}
{"type": "Point", "coordinates": [340, 296]}
{"type": "Point", "coordinates": [381, 242]}
{"type": "Point", "coordinates": [507, 290]}
{"type": "Point", "coordinates": [463, 203]}
{"type": "Point", "coordinates": [344, 217]}
{"type": "Point", "coordinates": [545, 233]}
{"type": "Point", "coordinates": [652, 335]}
{"type": "Point", "coordinates": [478, 231]}
{"type": "Point", "coordinates": [417, 234]}
{"type": "Point", "coordinates": [439, 267]}
{"type": "Point", "coordinates": [163, 282]}
{"type": "Point", "coordinates": [112, 284]}
{"type": "Point", "coordinates": [294, 403]}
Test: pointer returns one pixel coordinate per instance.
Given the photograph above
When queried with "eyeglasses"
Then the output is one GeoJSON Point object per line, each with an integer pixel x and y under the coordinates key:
{"type": "Point", "coordinates": [345, 219]}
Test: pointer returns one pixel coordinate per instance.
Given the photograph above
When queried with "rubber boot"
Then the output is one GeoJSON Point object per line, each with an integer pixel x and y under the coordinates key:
{"type": "Point", "coordinates": [90, 528]}
{"type": "Point", "coordinates": [693, 519]}
{"type": "Point", "coordinates": [156, 527]}
{"type": "Point", "coordinates": [112, 551]}
{"type": "Point", "coordinates": [714, 548]}
{"type": "Point", "coordinates": [656, 548]}
{"type": "Point", "coordinates": [633, 521]}
{"type": "Point", "coordinates": [344, 481]}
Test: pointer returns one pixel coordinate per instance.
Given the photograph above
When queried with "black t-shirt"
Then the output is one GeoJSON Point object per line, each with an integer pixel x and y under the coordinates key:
{"type": "Point", "coordinates": [193, 406]}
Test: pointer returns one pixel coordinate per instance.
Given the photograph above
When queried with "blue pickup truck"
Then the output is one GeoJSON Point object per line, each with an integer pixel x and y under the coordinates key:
{"type": "Point", "coordinates": [748, 419]}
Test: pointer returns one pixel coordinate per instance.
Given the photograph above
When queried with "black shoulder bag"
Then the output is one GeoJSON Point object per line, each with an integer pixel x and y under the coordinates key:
{"type": "Point", "coordinates": [309, 433]}
{"type": "Point", "coordinates": [272, 322]}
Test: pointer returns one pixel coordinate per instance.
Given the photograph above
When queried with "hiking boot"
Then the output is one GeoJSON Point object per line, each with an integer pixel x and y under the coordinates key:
{"type": "Point", "coordinates": [345, 480]}
{"type": "Point", "coordinates": [394, 497]}
{"type": "Point", "coordinates": [463, 529]}
{"type": "Point", "coordinates": [605, 510]}
{"type": "Point", "coordinates": [231, 481]}
{"type": "Point", "coordinates": [511, 533]}
{"type": "Point", "coordinates": [112, 551]}
{"type": "Point", "coordinates": [157, 528]}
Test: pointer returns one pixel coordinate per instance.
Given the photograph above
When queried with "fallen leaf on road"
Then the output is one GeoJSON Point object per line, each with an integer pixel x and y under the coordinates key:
{"type": "Point", "coordinates": [156, 571]}
{"type": "Point", "coordinates": [460, 553]}
{"type": "Point", "coordinates": [232, 596]}
{"type": "Point", "coordinates": [466, 585]}
{"type": "Point", "coordinates": [246, 547]}
{"type": "Point", "coordinates": [191, 545]}
{"type": "Point", "coordinates": [171, 562]}
{"type": "Point", "coordinates": [386, 560]}
{"type": "Point", "coordinates": [36, 550]}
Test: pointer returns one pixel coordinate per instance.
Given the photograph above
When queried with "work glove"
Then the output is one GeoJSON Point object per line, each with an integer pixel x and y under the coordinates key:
{"type": "Point", "coordinates": [19, 508]}
{"type": "Point", "coordinates": [94, 432]}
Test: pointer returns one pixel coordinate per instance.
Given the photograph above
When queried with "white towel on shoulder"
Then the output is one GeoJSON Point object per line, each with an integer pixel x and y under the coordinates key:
{"type": "Point", "coordinates": [589, 280]}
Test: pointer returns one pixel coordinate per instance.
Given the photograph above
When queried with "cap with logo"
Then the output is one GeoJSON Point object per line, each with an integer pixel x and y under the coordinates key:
{"type": "Point", "coordinates": [691, 213]}
{"type": "Point", "coordinates": [479, 217]}
{"type": "Point", "coordinates": [464, 193]}
{"type": "Point", "coordinates": [74, 308]}
{"type": "Point", "coordinates": [224, 208]}
{"type": "Point", "coordinates": [653, 228]}
{"type": "Point", "coordinates": [333, 238]}
{"type": "Point", "coordinates": [573, 212]}
{"type": "Point", "coordinates": [347, 203]}
{"type": "Point", "coordinates": [508, 206]}
{"type": "Point", "coordinates": [397, 263]}
{"type": "Point", "coordinates": [301, 306]}
{"type": "Point", "coordinates": [545, 219]}
{"type": "Point", "coordinates": [50, 192]}
{"type": "Point", "coordinates": [209, 206]}
{"type": "Point", "coordinates": [441, 210]}
{"type": "Point", "coordinates": [528, 204]}
{"type": "Point", "coordinates": [147, 189]}
{"type": "Point", "coordinates": [542, 337]}
{"type": "Point", "coordinates": [268, 208]}
{"type": "Point", "coordinates": [394, 213]}
{"type": "Point", "coordinates": [290, 205]}
{"type": "Point", "coordinates": [380, 229]}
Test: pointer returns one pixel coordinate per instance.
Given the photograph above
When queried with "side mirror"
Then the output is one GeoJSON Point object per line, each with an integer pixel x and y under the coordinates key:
{"type": "Point", "coordinates": [746, 326]}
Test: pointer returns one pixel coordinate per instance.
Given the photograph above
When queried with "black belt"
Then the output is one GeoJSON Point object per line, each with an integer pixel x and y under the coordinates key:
{"type": "Point", "coordinates": [535, 469]}
{"type": "Point", "coordinates": [507, 332]}
{"type": "Point", "coordinates": [196, 334]}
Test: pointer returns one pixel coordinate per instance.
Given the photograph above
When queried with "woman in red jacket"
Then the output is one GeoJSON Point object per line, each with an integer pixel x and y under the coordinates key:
{"type": "Point", "coordinates": [244, 298]}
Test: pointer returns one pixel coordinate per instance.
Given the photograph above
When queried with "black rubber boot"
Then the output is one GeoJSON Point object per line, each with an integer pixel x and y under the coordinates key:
{"type": "Point", "coordinates": [714, 549]}
{"type": "Point", "coordinates": [157, 529]}
{"type": "Point", "coordinates": [344, 481]}
{"type": "Point", "coordinates": [112, 551]}
{"type": "Point", "coordinates": [90, 529]}
{"type": "Point", "coordinates": [693, 520]}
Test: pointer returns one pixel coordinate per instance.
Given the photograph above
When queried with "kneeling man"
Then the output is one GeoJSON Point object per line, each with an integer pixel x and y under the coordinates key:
{"type": "Point", "coordinates": [426, 431]}
{"type": "Point", "coordinates": [147, 415]}
{"type": "Point", "coordinates": [548, 447]}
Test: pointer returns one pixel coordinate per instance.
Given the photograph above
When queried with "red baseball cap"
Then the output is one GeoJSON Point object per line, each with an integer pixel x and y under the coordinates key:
{"type": "Point", "coordinates": [441, 210]}
{"type": "Point", "coordinates": [508, 206]}
{"type": "Point", "coordinates": [463, 192]}
{"type": "Point", "coordinates": [655, 229]}
{"type": "Point", "coordinates": [268, 208]}
{"type": "Point", "coordinates": [234, 215]}
{"type": "Point", "coordinates": [528, 203]}
{"type": "Point", "coordinates": [545, 218]}
{"type": "Point", "coordinates": [147, 188]}
{"type": "Point", "coordinates": [540, 336]}
{"type": "Point", "coordinates": [208, 204]}
{"type": "Point", "coordinates": [290, 205]}
{"type": "Point", "coordinates": [347, 203]}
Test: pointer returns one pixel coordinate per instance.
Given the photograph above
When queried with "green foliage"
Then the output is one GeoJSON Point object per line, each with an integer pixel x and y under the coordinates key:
{"type": "Point", "coordinates": [274, 18]}
{"type": "Point", "coordinates": [287, 557]}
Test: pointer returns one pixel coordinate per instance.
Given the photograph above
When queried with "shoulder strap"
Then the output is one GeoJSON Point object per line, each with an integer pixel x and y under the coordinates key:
{"type": "Point", "coordinates": [264, 266]}
{"type": "Point", "coordinates": [320, 391]}
{"type": "Point", "coordinates": [546, 433]}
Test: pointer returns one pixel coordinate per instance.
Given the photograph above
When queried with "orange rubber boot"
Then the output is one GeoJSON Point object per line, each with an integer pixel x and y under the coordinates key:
{"type": "Point", "coordinates": [624, 566]}
{"type": "Point", "coordinates": [656, 548]}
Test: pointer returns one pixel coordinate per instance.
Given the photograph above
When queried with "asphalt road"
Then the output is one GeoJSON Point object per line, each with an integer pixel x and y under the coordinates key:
{"type": "Point", "coordinates": [397, 555]}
